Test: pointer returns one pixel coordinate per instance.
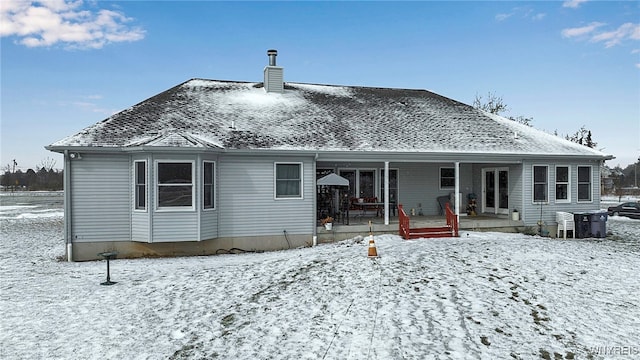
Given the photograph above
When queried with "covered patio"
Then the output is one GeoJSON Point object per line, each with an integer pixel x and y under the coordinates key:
{"type": "Point", "coordinates": [481, 193]}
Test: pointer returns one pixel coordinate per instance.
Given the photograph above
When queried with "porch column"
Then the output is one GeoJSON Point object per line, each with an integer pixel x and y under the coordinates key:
{"type": "Point", "coordinates": [457, 188]}
{"type": "Point", "coordinates": [386, 193]}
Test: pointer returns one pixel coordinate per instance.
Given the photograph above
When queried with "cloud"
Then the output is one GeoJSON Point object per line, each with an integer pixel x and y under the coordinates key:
{"type": "Point", "coordinates": [502, 17]}
{"type": "Point", "coordinates": [52, 22]}
{"type": "Point", "coordinates": [615, 37]}
{"type": "Point", "coordinates": [627, 31]}
{"type": "Point", "coordinates": [538, 17]}
{"type": "Point", "coordinates": [574, 4]}
{"type": "Point", "coordinates": [521, 12]}
{"type": "Point", "coordinates": [581, 31]}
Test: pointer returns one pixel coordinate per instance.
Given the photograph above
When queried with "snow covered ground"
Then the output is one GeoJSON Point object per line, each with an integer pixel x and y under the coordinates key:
{"type": "Point", "coordinates": [480, 296]}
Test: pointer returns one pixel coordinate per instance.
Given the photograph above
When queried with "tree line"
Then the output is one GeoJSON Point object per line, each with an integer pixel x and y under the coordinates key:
{"type": "Point", "coordinates": [495, 105]}
{"type": "Point", "coordinates": [44, 177]}
{"type": "Point", "coordinates": [616, 181]}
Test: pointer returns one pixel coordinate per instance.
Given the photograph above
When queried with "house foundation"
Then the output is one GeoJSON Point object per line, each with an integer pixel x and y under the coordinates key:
{"type": "Point", "coordinates": [86, 251]}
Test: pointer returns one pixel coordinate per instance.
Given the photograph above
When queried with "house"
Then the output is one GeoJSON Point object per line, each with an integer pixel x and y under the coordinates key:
{"type": "Point", "coordinates": [210, 165]}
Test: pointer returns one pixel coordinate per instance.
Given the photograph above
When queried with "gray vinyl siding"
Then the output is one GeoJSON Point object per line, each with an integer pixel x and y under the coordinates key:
{"type": "Point", "coordinates": [140, 226]}
{"type": "Point", "coordinates": [419, 186]}
{"type": "Point", "coordinates": [208, 224]}
{"type": "Point", "coordinates": [547, 211]}
{"type": "Point", "coordinates": [101, 198]}
{"type": "Point", "coordinates": [247, 204]}
{"type": "Point", "coordinates": [274, 79]}
{"type": "Point", "coordinates": [516, 198]}
{"type": "Point", "coordinates": [174, 226]}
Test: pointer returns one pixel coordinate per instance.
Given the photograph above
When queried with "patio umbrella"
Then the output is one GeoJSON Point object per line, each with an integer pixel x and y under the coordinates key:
{"type": "Point", "coordinates": [333, 180]}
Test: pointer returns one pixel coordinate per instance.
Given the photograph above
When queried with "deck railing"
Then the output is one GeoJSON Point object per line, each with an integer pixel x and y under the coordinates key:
{"type": "Point", "coordinates": [452, 220]}
{"type": "Point", "coordinates": [404, 222]}
{"type": "Point", "coordinates": [406, 232]}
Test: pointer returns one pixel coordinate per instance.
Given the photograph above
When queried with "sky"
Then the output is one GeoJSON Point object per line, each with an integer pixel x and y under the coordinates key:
{"type": "Point", "coordinates": [66, 65]}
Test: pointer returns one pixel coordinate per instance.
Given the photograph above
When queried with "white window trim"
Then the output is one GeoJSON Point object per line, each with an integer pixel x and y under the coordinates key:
{"type": "Point", "coordinates": [533, 184]}
{"type": "Point", "coordinates": [569, 190]}
{"type": "Point", "coordinates": [215, 186]}
{"type": "Point", "coordinates": [146, 186]}
{"type": "Point", "coordinates": [590, 184]}
{"type": "Point", "coordinates": [440, 178]}
{"type": "Point", "coordinates": [156, 184]}
{"type": "Point", "coordinates": [275, 181]}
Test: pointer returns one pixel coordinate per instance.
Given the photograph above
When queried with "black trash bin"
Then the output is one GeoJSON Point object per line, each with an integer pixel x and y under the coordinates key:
{"type": "Point", "coordinates": [583, 225]}
{"type": "Point", "coordinates": [598, 222]}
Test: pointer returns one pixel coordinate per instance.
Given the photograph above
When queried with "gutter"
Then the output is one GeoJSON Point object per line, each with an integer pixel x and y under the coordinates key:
{"type": "Point", "coordinates": [67, 205]}
{"type": "Point", "coordinates": [315, 203]}
{"type": "Point", "coordinates": [348, 154]}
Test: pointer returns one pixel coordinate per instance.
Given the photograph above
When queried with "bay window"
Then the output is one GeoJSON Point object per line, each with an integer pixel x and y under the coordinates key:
{"type": "Point", "coordinates": [175, 184]}
{"type": "Point", "coordinates": [208, 189]}
{"type": "Point", "coordinates": [140, 178]}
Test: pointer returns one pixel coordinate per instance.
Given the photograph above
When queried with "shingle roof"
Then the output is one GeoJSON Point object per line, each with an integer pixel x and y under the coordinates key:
{"type": "Point", "coordinates": [241, 115]}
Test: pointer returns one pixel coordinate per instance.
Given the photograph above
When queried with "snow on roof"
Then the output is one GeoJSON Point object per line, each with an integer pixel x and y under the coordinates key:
{"type": "Point", "coordinates": [242, 115]}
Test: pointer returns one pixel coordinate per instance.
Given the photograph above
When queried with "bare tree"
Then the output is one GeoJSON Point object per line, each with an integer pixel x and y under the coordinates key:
{"type": "Point", "coordinates": [495, 105]}
{"type": "Point", "coordinates": [582, 137]}
{"type": "Point", "coordinates": [492, 104]}
{"type": "Point", "coordinates": [47, 164]}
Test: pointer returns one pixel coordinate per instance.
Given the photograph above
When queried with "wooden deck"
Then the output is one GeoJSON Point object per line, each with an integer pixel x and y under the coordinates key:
{"type": "Point", "coordinates": [360, 225]}
{"type": "Point", "coordinates": [408, 232]}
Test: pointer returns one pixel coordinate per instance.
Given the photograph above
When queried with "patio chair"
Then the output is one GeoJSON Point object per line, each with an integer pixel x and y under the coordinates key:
{"type": "Point", "coordinates": [442, 200]}
{"type": "Point", "coordinates": [565, 223]}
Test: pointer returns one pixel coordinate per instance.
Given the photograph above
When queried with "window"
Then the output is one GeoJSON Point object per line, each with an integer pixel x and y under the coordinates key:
{"type": "Point", "coordinates": [208, 189]}
{"type": "Point", "coordinates": [175, 184]}
{"type": "Point", "coordinates": [366, 183]}
{"type": "Point", "coordinates": [141, 185]}
{"type": "Point", "coordinates": [584, 183]}
{"type": "Point", "coordinates": [351, 176]}
{"type": "Point", "coordinates": [288, 180]}
{"type": "Point", "coordinates": [447, 178]}
{"type": "Point", "coordinates": [540, 175]}
{"type": "Point", "coordinates": [393, 185]}
{"type": "Point", "coordinates": [562, 184]}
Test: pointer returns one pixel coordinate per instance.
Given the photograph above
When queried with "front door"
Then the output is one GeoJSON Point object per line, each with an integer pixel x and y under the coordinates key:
{"type": "Point", "coordinates": [495, 190]}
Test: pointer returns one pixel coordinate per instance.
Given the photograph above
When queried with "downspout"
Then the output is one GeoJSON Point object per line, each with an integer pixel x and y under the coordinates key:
{"type": "Point", "coordinates": [386, 193]}
{"type": "Point", "coordinates": [314, 239]}
{"type": "Point", "coordinates": [457, 189]}
{"type": "Point", "coordinates": [67, 205]}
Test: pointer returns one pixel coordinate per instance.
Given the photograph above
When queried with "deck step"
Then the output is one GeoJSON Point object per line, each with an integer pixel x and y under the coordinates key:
{"type": "Point", "coordinates": [430, 232]}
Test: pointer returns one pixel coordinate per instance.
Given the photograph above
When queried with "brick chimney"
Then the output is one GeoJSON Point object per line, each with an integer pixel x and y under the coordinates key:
{"type": "Point", "coordinates": [273, 75]}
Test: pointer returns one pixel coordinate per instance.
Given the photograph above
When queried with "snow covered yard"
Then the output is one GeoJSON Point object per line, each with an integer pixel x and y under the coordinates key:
{"type": "Point", "coordinates": [483, 295]}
